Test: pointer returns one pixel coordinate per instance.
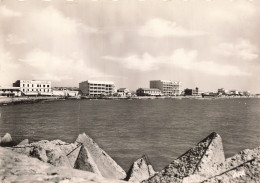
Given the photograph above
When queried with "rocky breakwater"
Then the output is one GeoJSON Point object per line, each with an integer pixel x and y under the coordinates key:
{"type": "Point", "coordinates": [17, 167]}
{"type": "Point", "coordinates": [84, 154]}
{"type": "Point", "coordinates": [85, 161]}
{"type": "Point", "coordinates": [206, 163]}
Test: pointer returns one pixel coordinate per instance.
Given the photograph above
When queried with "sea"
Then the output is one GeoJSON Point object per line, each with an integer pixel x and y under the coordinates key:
{"type": "Point", "coordinates": [162, 129]}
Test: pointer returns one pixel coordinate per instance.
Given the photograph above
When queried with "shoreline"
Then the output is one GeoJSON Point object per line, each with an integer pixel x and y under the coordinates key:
{"type": "Point", "coordinates": [29, 100]}
{"type": "Point", "coordinates": [26, 100]}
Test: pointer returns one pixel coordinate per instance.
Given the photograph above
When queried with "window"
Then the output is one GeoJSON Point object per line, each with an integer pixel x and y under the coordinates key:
{"type": "Point", "coordinates": [48, 86]}
{"type": "Point", "coordinates": [43, 85]}
{"type": "Point", "coordinates": [27, 85]}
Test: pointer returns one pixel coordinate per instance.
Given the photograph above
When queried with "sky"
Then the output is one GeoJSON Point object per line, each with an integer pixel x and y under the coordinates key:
{"type": "Point", "coordinates": [208, 44]}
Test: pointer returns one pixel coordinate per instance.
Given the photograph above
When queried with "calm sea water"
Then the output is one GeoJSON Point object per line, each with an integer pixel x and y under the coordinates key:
{"type": "Point", "coordinates": [126, 129]}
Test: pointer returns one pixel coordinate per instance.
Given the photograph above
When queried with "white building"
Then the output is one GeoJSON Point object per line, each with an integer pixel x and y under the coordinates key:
{"type": "Point", "coordinates": [10, 91]}
{"type": "Point", "coordinates": [34, 87]}
{"type": "Point", "coordinates": [148, 92]}
{"type": "Point", "coordinates": [167, 87]}
{"type": "Point", "coordinates": [97, 88]}
{"type": "Point", "coordinates": [123, 92]}
{"type": "Point", "coordinates": [64, 92]}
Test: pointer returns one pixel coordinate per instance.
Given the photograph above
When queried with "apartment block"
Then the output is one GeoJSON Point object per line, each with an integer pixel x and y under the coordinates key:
{"type": "Point", "coordinates": [167, 87]}
{"type": "Point", "coordinates": [34, 87]}
{"type": "Point", "coordinates": [97, 88]}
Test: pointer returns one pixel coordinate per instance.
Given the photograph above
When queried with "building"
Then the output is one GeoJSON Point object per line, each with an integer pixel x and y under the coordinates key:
{"type": "Point", "coordinates": [167, 87]}
{"type": "Point", "coordinates": [222, 91]}
{"type": "Point", "coordinates": [148, 92]}
{"type": "Point", "coordinates": [97, 88]}
{"type": "Point", "coordinates": [65, 91]}
{"type": "Point", "coordinates": [10, 91]}
{"type": "Point", "coordinates": [34, 87]}
{"type": "Point", "coordinates": [234, 92]}
{"type": "Point", "coordinates": [123, 92]}
{"type": "Point", "coordinates": [190, 92]}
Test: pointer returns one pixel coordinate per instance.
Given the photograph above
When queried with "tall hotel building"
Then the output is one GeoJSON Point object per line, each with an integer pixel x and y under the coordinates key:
{"type": "Point", "coordinates": [34, 87]}
{"type": "Point", "coordinates": [97, 88]}
{"type": "Point", "coordinates": [167, 87]}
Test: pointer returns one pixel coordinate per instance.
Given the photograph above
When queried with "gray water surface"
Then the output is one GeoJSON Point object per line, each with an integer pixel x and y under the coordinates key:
{"type": "Point", "coordinates": [126, 129]}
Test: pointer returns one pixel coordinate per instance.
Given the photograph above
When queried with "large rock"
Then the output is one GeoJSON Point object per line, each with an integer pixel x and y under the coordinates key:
{"type": "Point", "coordinates": [85, 161]}
{"type": "Point", "coordinates": [106, 165]}
{"type": "Point", "coordinates": [24, 142]}
{"type": "Point", "coordinates": [242, 167]}
{"type": "Point", "coordinates": [17, 167]}
{"type": "Point", "coordinates": [199, 160]}
{"type": "Point", "coordinates": [239, 159]}
{"type": "Point", "coordinates": [248, 172]}
{"type": "Point", "coordinates": [55, 152]}
{"type": "Point", "coordinates": [6, 140]}
{"type": "Point", "coordinates": [140, 170]}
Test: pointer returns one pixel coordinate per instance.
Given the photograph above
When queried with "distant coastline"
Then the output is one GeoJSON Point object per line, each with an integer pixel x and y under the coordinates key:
{"type": "Point", "coordinates": [28, 100]}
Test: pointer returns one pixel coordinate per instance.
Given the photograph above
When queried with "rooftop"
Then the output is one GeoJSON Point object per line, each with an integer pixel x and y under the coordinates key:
{"type": "Point", "coordinates": [151, 89]}
{"type": "Point", "coordinates": [98, 82]}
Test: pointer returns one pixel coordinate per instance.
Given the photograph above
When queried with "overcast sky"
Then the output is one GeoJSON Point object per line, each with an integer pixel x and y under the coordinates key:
{"type": "Point", "coordinates": [209, 44]}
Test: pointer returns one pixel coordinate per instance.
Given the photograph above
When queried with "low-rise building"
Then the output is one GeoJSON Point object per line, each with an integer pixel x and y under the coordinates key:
{"type": "Point", "coordinates": [97, 88]}
{"type": "Point", "coordinates": [148, 92]}
{"type": "Point", "coordinates": [34, 87]}
{"type": "Point", "coordinates": [190, 92]}
{"type": "Point", "coordinates": [167, 87]}
{"type": "Point", "coordinates": [234, 92]}
{"type": "Point", "coordinates": [223, 91]}
{"type": "Point", "coordinates": [10, 91]}
{"type": "Point", "coordinates": [65, 91]}
{"type": "Point", "coordinates": [123, 92]}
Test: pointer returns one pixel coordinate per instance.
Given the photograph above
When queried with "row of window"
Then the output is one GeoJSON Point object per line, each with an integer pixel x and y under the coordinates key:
{"type": "Point", "coordinates": [152, 92]}
{"type": "Point", "coordinates": [101, 85]}
{"type": "Point", "coordinates": [36, 90]}
{"type": "Point", "coordinates": [95, 91]}
{"type": "Point", "coordinates": [100, 88]}
{"type": "Point", "coordinates": [34, 85]}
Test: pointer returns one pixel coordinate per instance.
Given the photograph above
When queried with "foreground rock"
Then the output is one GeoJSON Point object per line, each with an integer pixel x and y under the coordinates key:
{"type": "Point", "coordinates": [242, 167]}
{"type": "Point", "coordinates": [16, 167]}
{"type": "Point", "coordinates": [201, 159]}
{"type": "Point", "coordinates": [84, 154]}
{"type": "Point", "coordinates": [24, 142]}
{"type": "Point", "coordinates": [140, 170]}
{"type": "Point", "coordinates": [6, 140]}
{"type": "Point", "coordinates": [248, 172]}
{"type": "Point", "coordinates": [105, 164]}
{"type": "Point", "coordinates": [85, 161]}
{"type": "Point", "coordinates": [56, 152]}
{"type": "Point", "coordinates": [203, 163]}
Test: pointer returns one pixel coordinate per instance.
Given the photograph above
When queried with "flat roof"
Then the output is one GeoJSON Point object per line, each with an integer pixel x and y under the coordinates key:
{"type": "Point", "coordinates": [98, 82]}
{"type": "Point", "coordinates": [35, 81]}
{"type": "Point", "coordinates": [154, 89]}
{"type": "Point", "coordinates": [167, 81]}
{"type": "Point", "coordinates": [11, 87]}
